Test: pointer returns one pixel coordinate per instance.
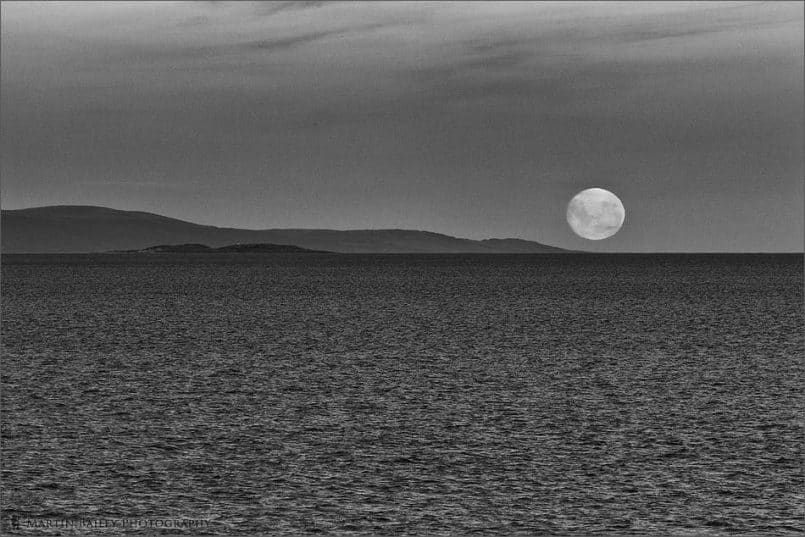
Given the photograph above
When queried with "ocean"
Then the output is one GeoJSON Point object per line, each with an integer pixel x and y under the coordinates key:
{"type": "Point", "coordinates": [402, 394]}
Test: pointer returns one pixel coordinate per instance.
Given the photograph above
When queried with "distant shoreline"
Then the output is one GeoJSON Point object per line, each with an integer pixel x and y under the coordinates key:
{"type": "Point", "coordinates": [62, 229]}
{"type": "Point", "coordinates": [252, 248]}
{"type": "Point", "coordinates": [137, 253]}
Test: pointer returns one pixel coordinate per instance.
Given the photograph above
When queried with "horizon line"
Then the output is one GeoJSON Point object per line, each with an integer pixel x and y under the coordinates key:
{"type": "Point", "coordinates": [582, 252]}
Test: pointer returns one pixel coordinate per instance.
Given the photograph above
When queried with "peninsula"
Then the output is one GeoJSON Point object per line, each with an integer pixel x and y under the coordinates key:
{"type": "Point", "coordinates": [92, 229]}
{"type": "Point", "coordinates": [259, 248]}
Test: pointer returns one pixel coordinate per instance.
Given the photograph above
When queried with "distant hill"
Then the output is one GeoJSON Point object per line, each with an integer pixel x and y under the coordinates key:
{"type": "Point", "coordinates": [78, 229]}
{"type": "Point", "coordinates": [261, 248]}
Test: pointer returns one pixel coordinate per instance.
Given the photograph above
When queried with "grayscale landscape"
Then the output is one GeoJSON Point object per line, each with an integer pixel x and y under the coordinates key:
{"type": "Point", "coordinates": [402, 268]}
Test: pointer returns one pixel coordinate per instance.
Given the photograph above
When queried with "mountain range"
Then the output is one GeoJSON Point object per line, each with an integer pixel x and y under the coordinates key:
{"type": "Point", "coordinates": [84, 229]}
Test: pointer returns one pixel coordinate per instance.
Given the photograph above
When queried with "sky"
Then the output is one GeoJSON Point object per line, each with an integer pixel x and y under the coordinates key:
{"type": "Point", "coordinates": [472, 119]}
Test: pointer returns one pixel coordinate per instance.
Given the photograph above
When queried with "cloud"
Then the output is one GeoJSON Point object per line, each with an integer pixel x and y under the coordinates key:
{"type": "Point", "coordinates": [283, 43]}
{"type": "Point", "coordinates": [272, 8]}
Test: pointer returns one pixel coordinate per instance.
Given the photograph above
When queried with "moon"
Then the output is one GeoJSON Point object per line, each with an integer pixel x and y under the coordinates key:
{"type": "Point", "coordinates": [595, 214]}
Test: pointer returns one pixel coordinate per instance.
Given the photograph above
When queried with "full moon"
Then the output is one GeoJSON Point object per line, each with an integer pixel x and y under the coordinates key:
{"type": "Point", "coordinates": [595, 214]}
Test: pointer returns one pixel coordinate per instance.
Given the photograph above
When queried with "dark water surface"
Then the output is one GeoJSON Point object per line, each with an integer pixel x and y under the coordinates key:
{"type": "Point", "coordinates": [425, 395]}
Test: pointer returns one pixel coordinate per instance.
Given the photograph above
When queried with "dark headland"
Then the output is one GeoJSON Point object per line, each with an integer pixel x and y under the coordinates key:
{"type": "Point", "coordinates": [260, 248]}
{"type": "Point", "coordinates": [89, 229]}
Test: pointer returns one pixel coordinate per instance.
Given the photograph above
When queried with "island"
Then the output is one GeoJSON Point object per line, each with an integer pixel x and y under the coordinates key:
{"type": "Point", "coordinates": [255, 248]}
{"type": "Point", "coordinates": [72, 229]}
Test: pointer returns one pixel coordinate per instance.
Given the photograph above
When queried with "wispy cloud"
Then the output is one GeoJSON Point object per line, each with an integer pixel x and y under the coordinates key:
{"type": "Point", "coordinates": [273, 8]}
{"type": "Point", "coordinates": [283, 43]}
